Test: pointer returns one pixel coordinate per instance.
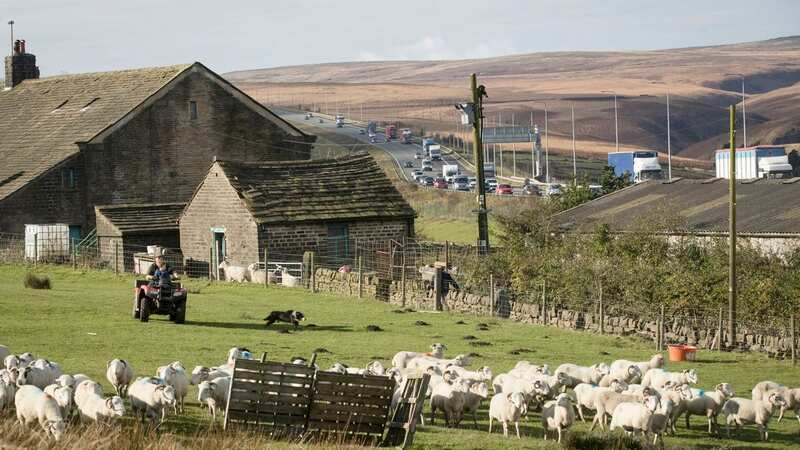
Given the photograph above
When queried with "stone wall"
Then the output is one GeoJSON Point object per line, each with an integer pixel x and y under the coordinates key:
{"type": "Point", "coordinates": [417, 297]}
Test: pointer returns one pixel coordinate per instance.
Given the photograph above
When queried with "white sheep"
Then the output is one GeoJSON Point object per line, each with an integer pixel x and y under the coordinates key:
{"type": "Point", "coordinates": [233, 354]}
{"type": "Point", "coordinates": [65, 380]}
{"type": "Point", "coordinates": [423, 362]}
{"type": "Point", "coordinates": [401, 359]}
{"type": "Point", "coordinates": [557, 415]}
{"type": "Point", "coordinates": [119, 373]}
{"type": "Point", "coordinates": [10, 375]}
{"type": "Point", "coordinates": [526, 366]}
{"type": "Point", "coordinates": [86, 389]}
{"type": "Point", "coordinates": [34, 376]}
{"type": "Point", "coordinates": [175, 375]}
{"type": "Point", "coordinates": [576, 374]}
{"type": "Point", "coordinates": [606, 401]}
{"type": "Point", "coordinates": [8, 389]}
{"type": "Point", "coordinates": [482, 374]}
{"type": "Point", "coordinates": [287, 279]}
{"type": "Point", "coordinates": [11, 362]}
{"type": "Point", "coordinates": [763, 389]}
{"type": "Point", "coordinates": [96, 408]}
{"type": "Point", "coordinates": [635, 417]}
{"type": "Point", "coordinates": [792, 398]}
{"type": "Point", "coordinates": [64, 396]}
{"type": "Point", "coordinates": [656, 362]}
{"type": "Point", "coordinates": [233, 273]}
{"type": "Point", "coordinates": [214, 395]}
{"type": "Point", "coordinates": [26, 359]}
{"type": "Point", "coordinates": [658, 378]}
{"type": "Point", "coordinates": [449, 397]}
{"type": "Point", "coordinates": [150, 399]}
{"type": "Point", "coordinates": [628, 374]}
{"type": "Point", "coordinates": [477, 393]}
{"type": "Point", "coordinates": [373, 368]}
{"type": "Point", "coordinates": [505, 408]}
{"type": "Point", "coordinates": [709, 404]}
{"type": "Point", "coordinates": [51, 368]}
{"type": "Point", "coordinates": [203, 373]}
{"type": "Point", "coordinates": [739, 411]}
{"type": "Point", "coordinates": [32, 404]}
{"type": "Point", "coordinates": [679, 395]}
{"type": "Point", "coordinates": [585, 395]}
{"type": "Point", "coordinates": [338, 367]}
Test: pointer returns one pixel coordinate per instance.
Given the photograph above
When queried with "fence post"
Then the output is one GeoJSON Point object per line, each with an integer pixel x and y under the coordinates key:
{"type": "Point", "coordinates": [313, 274]}
{"type": "Point", "coordinates": [437, 289]}
{"type": "Point", "coordinates": [661, 329]}
{"type": "Point", "coordinates": [720, 331]}
{"type": "Point", "coordinates": [210, 262]}
{"type": "Point", "coordinates": [491, 295]}
{"type": "Point", "coordinates": [544, 306]}
{"type": "Point", "coordinates": [266, 270]}
{"type": "Point", "coordinates": [602, 313]}
{"type": "Point", "coordinates": [74, 256]}
{"type": "Point", "coordinates": [447, 254]}
{"type": "Point", "coordinates": [794, 342]}
{"type": "Point", "coordinates": [116, 258]}
{"type": "Point", "coordinates": [403, 277]}
{"type": "Point", "coordinates": [35, 248]}
{"type": "Point", "coordinates": [360, 278]}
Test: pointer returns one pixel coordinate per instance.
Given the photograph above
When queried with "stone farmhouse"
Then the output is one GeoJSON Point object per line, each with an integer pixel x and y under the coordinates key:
{"type": "Point", "coordinates": [70, 143]}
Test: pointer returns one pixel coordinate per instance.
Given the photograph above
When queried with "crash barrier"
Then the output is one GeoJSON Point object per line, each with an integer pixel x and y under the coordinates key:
{"type": "Point", "coordinates": [289, 400]}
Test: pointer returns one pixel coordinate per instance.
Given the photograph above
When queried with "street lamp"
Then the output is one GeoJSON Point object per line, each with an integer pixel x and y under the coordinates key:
{"type": "Point", "coordinates": [744, 110]}
{"type": "Point", "coordinates": [546, 144]}
{"type": "Point", "coordinates": [669, 137]}
{"type": "Point", "coordinates": [616, 121]}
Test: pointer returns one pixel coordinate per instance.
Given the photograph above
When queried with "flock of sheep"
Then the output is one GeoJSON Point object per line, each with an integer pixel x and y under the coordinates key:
{"type": "Point", "coordinates": [254, 274]}
{"type": "Point", "coordinates": [639, 397]}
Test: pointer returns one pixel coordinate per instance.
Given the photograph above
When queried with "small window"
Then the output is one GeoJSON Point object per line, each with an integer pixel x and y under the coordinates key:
{"type": "Point", "coordinates": [90, 104]}
{"type": "Point", "coordinates": [193, 110]}
{"type": "Point", "coordinates": [58, 108]}
{"type": "Point", "coordinates": [69, 178]}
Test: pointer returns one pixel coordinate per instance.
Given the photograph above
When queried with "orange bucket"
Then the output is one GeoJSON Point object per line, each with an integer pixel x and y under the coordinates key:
{"type": "Point", "coordinates": [677, 353]}
{"type": "Point", "coordinates": [691, 352]}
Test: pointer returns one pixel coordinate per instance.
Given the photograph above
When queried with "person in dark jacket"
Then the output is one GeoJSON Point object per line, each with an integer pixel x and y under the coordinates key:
{"type": "Point", "coordinates": [160, 272]}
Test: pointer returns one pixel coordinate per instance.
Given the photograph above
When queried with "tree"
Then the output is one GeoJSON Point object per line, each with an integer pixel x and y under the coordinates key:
{"type": "Point", "coordinates": [611, 182]}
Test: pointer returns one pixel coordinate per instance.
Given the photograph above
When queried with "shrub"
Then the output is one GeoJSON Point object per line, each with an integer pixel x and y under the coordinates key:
{"type": "Point", "coordinates": [613, 441]}
{"type": "Point", "coordinates": [32, 281]}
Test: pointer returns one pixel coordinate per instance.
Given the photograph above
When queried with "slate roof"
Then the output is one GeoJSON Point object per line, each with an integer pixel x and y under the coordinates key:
{"type": "Point", "coordinates": [763, 207]}
{"type": "Point", "coordinates": [347, 188]}
{"type": "Point", "coordinates": [41, 120]}
{"type": "Point", "coordinates": [139, 218]}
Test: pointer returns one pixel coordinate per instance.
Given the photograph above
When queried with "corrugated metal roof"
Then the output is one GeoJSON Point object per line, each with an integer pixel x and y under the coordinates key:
{"type": "Point", "coordinates": [763, 207]}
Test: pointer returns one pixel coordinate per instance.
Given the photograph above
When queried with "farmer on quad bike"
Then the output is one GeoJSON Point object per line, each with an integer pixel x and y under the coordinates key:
{"type": "Point", "coordinates": [160, 273]}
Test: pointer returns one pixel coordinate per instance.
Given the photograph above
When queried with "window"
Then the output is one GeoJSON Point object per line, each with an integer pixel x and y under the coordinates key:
{"type": "Point", "coordinates": [89, 104]}
{"type": "Point", "coordinates": [338, 243]}
{"type": "Point", "coordinates": [193, 110]}
{"type": "Point", "coordinates": [69, 178]}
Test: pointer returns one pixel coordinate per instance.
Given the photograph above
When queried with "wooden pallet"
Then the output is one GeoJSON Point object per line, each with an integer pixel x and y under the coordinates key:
{"type": "Point", "coordinates": [403, 422]}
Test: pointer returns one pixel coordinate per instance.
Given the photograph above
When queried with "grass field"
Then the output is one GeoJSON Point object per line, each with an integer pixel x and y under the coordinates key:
{"type": "Point", "coordinates": [85, 321]}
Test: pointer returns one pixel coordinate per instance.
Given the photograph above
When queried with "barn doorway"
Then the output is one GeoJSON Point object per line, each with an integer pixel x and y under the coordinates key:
{"type": "Point", "coordinates": [338, 251]}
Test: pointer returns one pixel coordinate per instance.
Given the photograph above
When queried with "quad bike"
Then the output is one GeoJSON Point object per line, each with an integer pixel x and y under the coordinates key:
{"type": "Point", "coordinates": [159, 298]}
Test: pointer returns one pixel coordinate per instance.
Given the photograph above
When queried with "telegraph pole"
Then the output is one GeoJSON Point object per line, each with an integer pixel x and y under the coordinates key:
{"type": "Point", "coordinates": [732, 232]}
{"type": "Point", "coordinates": [478, 92]}
{"type": "Point", "coordinates": [574, 158]}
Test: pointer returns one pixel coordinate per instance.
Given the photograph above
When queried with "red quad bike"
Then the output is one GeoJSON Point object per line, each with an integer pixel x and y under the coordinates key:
{"type": "Point", "coordinates": [168, 299]}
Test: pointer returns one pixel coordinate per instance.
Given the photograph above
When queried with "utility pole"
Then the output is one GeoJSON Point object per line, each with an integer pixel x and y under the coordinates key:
{"type": "Point", "coordinates": [732, 231]}
{"type": "Point", "coordinates": [478, 92]}
{"type": "Point", "coordinates": [669, 144]}
{"type": "Point", "coordinates": [616, 121]}
{"type": "Point", "coordinates": [744, 117]}
{"type": "Point", "coordinates": [574, 159]}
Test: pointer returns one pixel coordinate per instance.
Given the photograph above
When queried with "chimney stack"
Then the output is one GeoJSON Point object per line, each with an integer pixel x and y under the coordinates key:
{"type": "Point", "coordinates": [20, 65]}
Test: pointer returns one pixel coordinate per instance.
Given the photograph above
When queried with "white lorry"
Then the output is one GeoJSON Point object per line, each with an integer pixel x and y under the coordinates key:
{"type": "Point", "coordinates": [339, 121]}
{"type": "Point", "coordinates": [761, 161]}
{"type": "Point", "coordinates": [450, 171]}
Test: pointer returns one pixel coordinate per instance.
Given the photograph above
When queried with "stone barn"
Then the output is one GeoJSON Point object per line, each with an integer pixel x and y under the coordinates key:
{"type": "Point", "coordinates": [124, 231]}
{"type": "Point", "coordinates": [286, 208]}
{"type": "Point", "coordinates": [71, 142]}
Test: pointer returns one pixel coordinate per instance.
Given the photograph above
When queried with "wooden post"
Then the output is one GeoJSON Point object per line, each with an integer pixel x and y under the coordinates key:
{"type": "Point", "coordinates": [74, 257]}
{"type": "Point", "coordinates": [544, 302]}
{"type": "Point", "coordinates": [35, 249]}
{"type": "Point", "coordinates": [447, 254]}
{"type": "Point", "coordinates": [602, 312]}
{"type": "Point", "coordinates": [313, 274]}
{"type": "Point", "coordinates": [360, 278]}
{"type": "Point", "coordinates": [794, 342]}
{"type": "Point", "coordinates": [437, 289]}
{"type": "Point", "coordinates": [491, 294]}
{"type": "Point", "coordinates": [210, 262]}
{"type": "Point", "coordinates": [266, 271]}
{"type": "Point", "coordinates": [720, 330]}
{"type": "Point", "coordinates": [116, 258]}
{"type": "Point", "coordinates": [661, 339]}
{"type": "Point", "coordinates": [403, 277]}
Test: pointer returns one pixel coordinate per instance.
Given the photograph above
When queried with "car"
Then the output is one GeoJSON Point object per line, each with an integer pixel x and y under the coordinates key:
{"type": "Point", "coordinates": [427, 165]}
{"type": "Point", "coordinates": [440, 183]}
{"type": "Point", "coordinates": [427, 181]}
{"type": "Point", "coordinates": [491, 184]}
{"type": "Point", "coordinates": [167, 298]}
{"type": "Point", "coordinates": [321, 121]}
{"type": "Point", "coordinates": [473, 182]}
{"type": "Point", "coordinates": [372, 140]}
{"type": "Point", "coordinates": [504, 189]}
{"type": "Point", "coordinates": [418, 155]}
{"type": "Point", "coordinates": [530, 189]}
{"type": "Point", "coordinates": [460, 184]}
{"type": "Point", "coordinates": [427, 168]}
{"type": "Point", "coordinates": [408, 164]}
{"type": "Point", "coordinates": [552, 190]}
{"type": "Point", "coordinates": [416, 175]}
{"type": "Point", "coordinates": [362, 131]}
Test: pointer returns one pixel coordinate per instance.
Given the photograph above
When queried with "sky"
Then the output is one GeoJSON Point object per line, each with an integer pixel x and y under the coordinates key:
{"type": "Point", "coordinates": [70, 36]}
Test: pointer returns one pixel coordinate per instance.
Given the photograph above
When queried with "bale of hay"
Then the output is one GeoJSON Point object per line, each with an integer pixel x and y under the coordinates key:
{"type": "Point", "coordinates": [32, 281]}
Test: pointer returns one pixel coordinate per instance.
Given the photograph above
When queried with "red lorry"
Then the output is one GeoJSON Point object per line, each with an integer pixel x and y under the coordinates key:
{"type": "Point", "coordinates": [391, 132]}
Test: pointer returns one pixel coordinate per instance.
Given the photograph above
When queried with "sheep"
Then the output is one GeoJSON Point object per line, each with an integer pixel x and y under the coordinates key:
{"type": "Point", "coordinates": [576, 374]}
{"type": "Point", "coordinates": [175, 375]}
{"type": "Point", "coordinates": [373, 368]}
{"type": "Point", "coordinates": [709, 404]}
{"type": "Point", "coordinates": [656, 362]}
{"type": "Point", "coordinates": [11, 362]}
{"type": "Point", "coordinates": [526, 366]}
{"type": "Point", "coordinates": [202, 373]}
{"type": "Point", "coordinates": [506, 407]}
{"type": "Point", "coordinates": [477, 393]}
{"type": "Point", "coordinates": [792, 397]}
{"type": "Point", "coordinates": [634, 417]}
{"type": "Point", "coordinates": [235, 353]}
{"type": "Point", "coordinates": [96, 408]}
{"type": "Point", "coordinates": [606, 401]}
{"type": "Point", "coordinates": [119, 373]}
{"type": "Point", "coordinates": [52, 369]}
{"type": "Point", "coordinates": [149, 398]}
{"type": "Point", "coordinates": [585, 395]}
{"type": "Point", "coordinates": [34, 376]}
{"type": "Point", "coordinates": [558, 415]}
{"type": "Point", "coordinates": [233, 273]}
{"type": "Point", "coordinates": [86, 389]}
{"type": "Point", "coordinates": [32, 404]}
{"type": "Point", "coordinates": [338, 368]}
{"type": "Point", "coordinates": [483, 374]}
{"type": "Point", "coordinates": [26, 359]}
{"type": "Point", "coordinates": [256, 275]}
{"type": "Point", "coordinates": [740, 410]}
{"type": "Point", "coordinates": [288, 279]}
{"type": "Point", "coordinates": [79, 378]}
{"type": "Point", "coordinates": [628, 374]}
{"type": "Point", "coordinates": [7, 391]}
{"type": "Point", "coordinates": [10, 375]}
{"type": "Point", "coordinates": [401, 359]}
{"type": "Point", "coordinates": [4, 351]}
{"type": "Point", "coordinates": [764, 388]}
{"type": "Point", "coordinates": [679, 395]}
{"type": "Point", "coordinates": [449, 397]}
{"type": "Point", "coordinates": [660, 420]}
{"type": "Point", "coordinates": [65, 380]}
{"type": "Point", "coordinates": [214, 395]}
{"type": "Point", "coordinates": [658, 378]}
{"type": "Point", "coordinates": [423, 362]}
{"type": "Point", "coordinates": [64, 396]}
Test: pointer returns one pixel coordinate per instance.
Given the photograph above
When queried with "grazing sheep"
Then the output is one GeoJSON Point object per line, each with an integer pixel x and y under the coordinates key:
{"type": "Point", "coordinates": [214, 395]}
{"type": "Point", "coordinates": [256, 275]}
{"type": "Point", "coordinates": [660, 421]}
{"type": "Point", "coordinates": [32, 404]}
{"type": "Point", "coordinates": [477, 393]}
{"type": "Point", "coordinates": [627, 374]}
{"type": "Point", "coordinates": [576, 374]}
{"type": "Point", "coordinates": [506, 407]}
{"type": "Point", "coordinates": [679, 395]}
{"type": "Point", "coordinates": [526, 366]}
{"type": "Point", "coordinates": [52, 369]}
{"type": "Point", "coordinates": [740, 410]}
{"type": "Point", "coordinates": [233, 273]}
{"type": "Point", "coordinates": [606, 401]}
{"type": "Point", "coordinates": [557, 415]}
{"type": "Point", "coordinates": [401, 359]}
{"type": "Point", "coordinates": [79, 378]}
{"type": "Point", "coordinates": [449, 397]}
{"type": "Point", "coordinates": [203, 373]}
{"type": "Point", "coordinates": [792, 397]}
{"type": "Point", "coordinates": [64, 396]}
{"type": "Point", "coordinates": [709, 404]}
{"type": "Point", "coordinates": [635, 417]}
{"type": "Point", "coordinates": [658, 378]}
{"type": "Point", "coordinates": [11, 362]}
{"type": "Point", "coordinates": [149, 399]}
{"type": "Point", "coordinates": [656, 362]}
{"type": "Point", "coordinates": [34, 376]}
{"type": "Point", "coordinates": [482, 374]}
{"type": "Point", "coordinates": [585, 395]}
{"type": "Point", "coordinates": [86, 389]}
{"type": "Point", "coordinates": [120, 374]}
{"type": "Point", "coordinates": [764, 388]}
{"type": "Point", "coordinates": [175, 375]}
{"type": "Point", "coordinates": [96, 408]}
